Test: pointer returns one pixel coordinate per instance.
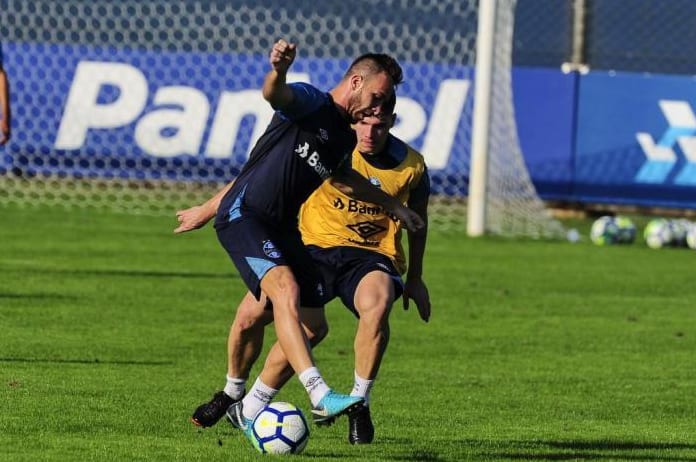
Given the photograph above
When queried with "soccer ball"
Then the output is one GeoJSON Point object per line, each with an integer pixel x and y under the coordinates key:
{"type": "Point", "coordinates": [604, 231]}
{"type": "Point", "coordinates": [680, 230]}
{"type": "Point", "coordinates": [280, 428]}
{"type": "Point", "coordinates": [627, 230]}
{"type": "Point", "coordinates": [691, 236]}
{"type": "Point", "coordinates": [658, 233]}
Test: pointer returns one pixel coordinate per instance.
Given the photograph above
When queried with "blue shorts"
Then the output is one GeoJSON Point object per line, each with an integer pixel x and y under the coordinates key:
{"type": "Point", "coordinates": [256, 246]}
{"type": "Point", "coordinates": [343, 268]}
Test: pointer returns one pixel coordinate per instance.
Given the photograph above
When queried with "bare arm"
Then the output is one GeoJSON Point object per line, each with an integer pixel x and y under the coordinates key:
{"type": "Point", "coordinates": [355, 185]}
{"type": "Point", "coordinates": [275, 89]}
{"type": "Point", "coordinates": [197, 216]}
{"type": "Point", "coordinates": [415, 288]}
{"type": "Point", "coordinates": [4, 108]}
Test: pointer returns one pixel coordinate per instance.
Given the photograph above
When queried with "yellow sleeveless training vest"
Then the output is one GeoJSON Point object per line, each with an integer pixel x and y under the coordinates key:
{"type": "Point", "coordinates": [330, 218]}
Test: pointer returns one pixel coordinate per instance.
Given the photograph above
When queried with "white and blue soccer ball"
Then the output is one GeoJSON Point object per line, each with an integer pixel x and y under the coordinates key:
{"type": "Point", "coordinates": [604, 231]}
{"type": "Point", "coordinates": [658, 233]}
{"type": "Point", "coordinates": [627, 229]}
{"type": "Point", "coordinates": [680, 229]}
{"type": "Point", "coordinates": [691, 236]}
{"type": "Point", "coordinates": [280, 428]}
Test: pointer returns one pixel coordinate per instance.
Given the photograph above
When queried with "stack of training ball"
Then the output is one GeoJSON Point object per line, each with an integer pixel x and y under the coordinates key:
{"type": "Point", "coordinates": [658, 232]}
{"type": "Point", "coordinates": [661, 232]}
{"type": "Point", "coordinates": [608, 230]}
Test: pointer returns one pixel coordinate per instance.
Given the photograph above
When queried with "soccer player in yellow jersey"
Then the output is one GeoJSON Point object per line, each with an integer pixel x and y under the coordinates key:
{"type": "Point", "coordinates": [357, 246]}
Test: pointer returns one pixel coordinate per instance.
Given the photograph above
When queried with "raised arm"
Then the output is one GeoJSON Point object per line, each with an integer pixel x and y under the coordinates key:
{"type": "Point", "coordinates": [275, 89]}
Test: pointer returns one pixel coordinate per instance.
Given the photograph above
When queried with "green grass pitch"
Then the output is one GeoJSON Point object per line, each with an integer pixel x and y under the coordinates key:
{"type": "Point", "coordinates": [113, 330]}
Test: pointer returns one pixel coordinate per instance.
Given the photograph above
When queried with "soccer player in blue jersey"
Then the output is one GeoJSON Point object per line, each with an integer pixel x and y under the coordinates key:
{"type": "Point", "coordinates": [4, 104]}
{"type": "Point", "coordinates": [358, 250]}
{"type": "Point", "coordinates": [307, 141]}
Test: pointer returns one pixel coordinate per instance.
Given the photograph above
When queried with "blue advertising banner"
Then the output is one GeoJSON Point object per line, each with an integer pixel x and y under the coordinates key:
{"type": "Point", "coordinates": [151, 114]}
{"type": "Point", "coordinates": [544, 101]}
{"type": "Point", "coordinates": [636, 140]}
{"type": "Point", "coordinates": [108, 112]}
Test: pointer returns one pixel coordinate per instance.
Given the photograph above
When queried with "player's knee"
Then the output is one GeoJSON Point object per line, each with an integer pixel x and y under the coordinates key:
{"type": "Point", "coordinates": [280, 286]}
{"type": "Point", "coordinates": [248, 321]}
{"type": "Point", "coordinates": [374, 309]}
{"type": "Point", "coordinates": [246, 325]}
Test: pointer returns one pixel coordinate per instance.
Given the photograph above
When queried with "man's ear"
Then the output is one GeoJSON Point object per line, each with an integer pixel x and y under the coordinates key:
{"type": "Point", "coordinates": [392, 120]}
{"type": "Point", "coordinates": [356, 81]}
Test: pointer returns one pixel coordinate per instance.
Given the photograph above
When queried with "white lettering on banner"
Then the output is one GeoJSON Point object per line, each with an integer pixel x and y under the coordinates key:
{"type": "Point", "coordinates": [443, 125]}
{"type": "Point", "coordinates": [188, 118]}
{"type": "Point", "coordinates": [232, 108]}
{"type": "Point", "coordinates": [188, 123]}
{"type": "Point", "coordinates": [411, 120]}
{"type": "Point", "coordinates": [444, 122]}
{"type": "Point", "coordinates": [82, 110]}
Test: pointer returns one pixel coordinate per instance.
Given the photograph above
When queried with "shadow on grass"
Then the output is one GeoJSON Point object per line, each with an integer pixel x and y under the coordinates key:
{"type": "Point", "coordinates": [416, 456]}
{"type": "Point", "coordinates": [127, 273]}
{"type": "Point", "coordinates": [85, 361]}
{"type": "Point", "coordinates": [412, 452]}
{"type": "Point", "coordinates": [35, 296]}
{"type": "Point", "coordinates": [585, 450]}
{"type": "Point", "coordinates": [409, 451]}
{"type": "Point", "coordinates": [534, 450]}
{"type": "Point", "coordinates": [616, 445]}
{"type": "Point", "coordinates": [425, 456]}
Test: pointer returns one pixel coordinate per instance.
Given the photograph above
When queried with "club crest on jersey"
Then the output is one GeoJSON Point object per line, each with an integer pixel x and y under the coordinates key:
{"type": "Point", "coordinates": [270, 249]}
{"type": "Point", "coordinates": [375, 181]}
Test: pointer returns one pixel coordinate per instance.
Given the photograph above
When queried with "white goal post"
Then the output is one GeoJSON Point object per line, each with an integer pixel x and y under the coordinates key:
{"type": "Point", "coordinates": [502, 198]}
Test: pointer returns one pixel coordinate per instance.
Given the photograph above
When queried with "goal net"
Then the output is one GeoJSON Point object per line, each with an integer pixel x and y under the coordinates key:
{"type": "Point", "coordinates": [150, 106]}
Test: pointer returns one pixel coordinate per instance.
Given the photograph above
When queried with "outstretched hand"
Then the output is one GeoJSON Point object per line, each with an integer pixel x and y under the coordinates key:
{"type": "Point", "coordinates": [410, 219]}
{"type": "Point", "coordinates": [192, 218]}
{"type": "Point", "coordinates": [415, 289]}
{"type": "Point", "coordinates": [282, 55]}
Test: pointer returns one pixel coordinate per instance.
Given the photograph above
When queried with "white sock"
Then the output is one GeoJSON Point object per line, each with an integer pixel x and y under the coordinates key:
{"type": "Point", "coordinates": [259, 395]}
{"type": "Point", "coordinates": [362, 388]}
{"type": "Point", "coordinates": [234, 388]}
{"type": "Point", "coordinates": [314, 384]}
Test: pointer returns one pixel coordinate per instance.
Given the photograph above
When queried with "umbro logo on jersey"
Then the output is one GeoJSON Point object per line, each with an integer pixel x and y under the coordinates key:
{"type": "Point", "coordinates": [366, 229]}
{"type": "Point", "coordinates": [323, 135]}
{"type": "Point", "coordinates": [338, 204]}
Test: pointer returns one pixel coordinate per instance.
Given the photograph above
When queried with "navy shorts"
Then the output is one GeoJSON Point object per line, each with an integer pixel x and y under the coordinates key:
{"type": "Point", "coordinates": [343, 268]}
{"type": "Point", "coordinates": [256, 246]}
